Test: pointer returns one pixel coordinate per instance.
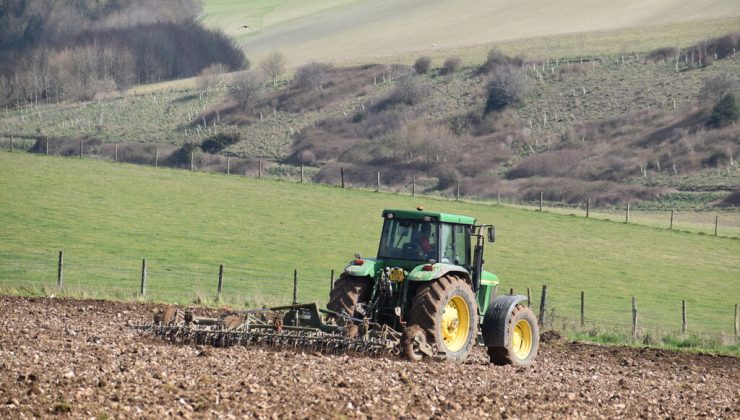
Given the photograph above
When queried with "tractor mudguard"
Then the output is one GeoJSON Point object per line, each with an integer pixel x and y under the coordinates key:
{"type": "Point", "coordinates": [438, 270]}
{"type": "Point", "coordinates": [366, 269]}
{"type": "Point", "coordinates": [496, 320]}
{"type": "Point", "coordinates": [488, 279]}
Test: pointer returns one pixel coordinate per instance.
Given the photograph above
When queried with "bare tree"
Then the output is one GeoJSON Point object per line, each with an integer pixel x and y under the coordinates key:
{"type": "Point", "coordinates": [312, 76]}
{"type": "Point", "coordinates": [273, 66]}
{"type": "Point", "coordinates": [247, 88]}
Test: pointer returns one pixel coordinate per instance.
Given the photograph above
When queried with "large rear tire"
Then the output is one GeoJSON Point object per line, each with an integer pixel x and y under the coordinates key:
{"type": "Point", "coordinates": [348, 292]}
{"type": "Point", "coordinates": [445, 309]}
{"type": "Point", "coordinates": [523, 340]}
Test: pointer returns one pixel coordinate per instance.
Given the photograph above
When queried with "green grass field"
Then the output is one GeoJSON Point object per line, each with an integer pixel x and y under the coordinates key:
{"type": "Point", "coordinates": [108, 217]}
{"type": "Point", "coordinates": [350, 31]}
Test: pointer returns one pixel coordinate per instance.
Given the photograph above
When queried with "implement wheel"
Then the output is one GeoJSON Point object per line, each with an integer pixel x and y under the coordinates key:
{"type": "Point", "coordinates": [523, 340]}
{"type": "Point", "coordinates": [348, 292]}
{"type": "Point", "coordinates": [445, 309]}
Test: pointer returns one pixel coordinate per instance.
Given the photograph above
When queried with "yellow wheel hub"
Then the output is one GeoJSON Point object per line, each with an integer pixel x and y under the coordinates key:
{"type": "Point", "coordinates": [521, 339]}
{"type": "Point", "coordinates": [455, 324]}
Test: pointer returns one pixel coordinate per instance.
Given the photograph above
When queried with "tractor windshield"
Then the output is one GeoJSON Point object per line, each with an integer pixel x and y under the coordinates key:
{"type": "Point", "coordinates": [409, 240]}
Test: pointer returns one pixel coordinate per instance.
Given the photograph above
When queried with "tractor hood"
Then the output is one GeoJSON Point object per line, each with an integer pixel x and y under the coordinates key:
{"type": "Point", "coordinates": [426, 272]}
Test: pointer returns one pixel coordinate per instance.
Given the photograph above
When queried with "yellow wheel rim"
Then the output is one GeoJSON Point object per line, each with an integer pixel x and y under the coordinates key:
{"type": "Point", "coordinates": [521, 339]}
{"type": "Point", "coordinates": [455, 324]}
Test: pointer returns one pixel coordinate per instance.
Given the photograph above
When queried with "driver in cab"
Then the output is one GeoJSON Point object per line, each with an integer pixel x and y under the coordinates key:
{"type": "Point", "coordinates": [423, 241]}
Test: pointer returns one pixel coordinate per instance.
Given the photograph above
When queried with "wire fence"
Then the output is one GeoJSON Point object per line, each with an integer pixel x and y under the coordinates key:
{"type": "Point", "coordinates": [627, 318]}
{"type": "Point", "coordinates": [589, 313]}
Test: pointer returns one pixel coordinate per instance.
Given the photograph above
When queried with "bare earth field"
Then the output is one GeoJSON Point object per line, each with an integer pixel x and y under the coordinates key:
{"type": "Point", "coordinates": [78, 358]}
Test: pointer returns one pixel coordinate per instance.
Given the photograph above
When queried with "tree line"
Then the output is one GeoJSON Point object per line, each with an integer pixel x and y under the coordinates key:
{"type": "Point", "coordinates": [54, 50]}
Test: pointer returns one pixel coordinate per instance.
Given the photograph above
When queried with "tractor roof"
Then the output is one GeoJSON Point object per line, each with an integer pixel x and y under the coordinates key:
{"type": "Point", "coordinates": [421, 214]}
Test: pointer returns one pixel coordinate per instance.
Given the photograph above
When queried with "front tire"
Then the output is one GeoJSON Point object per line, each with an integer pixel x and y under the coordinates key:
{"type": "Point", "coordinates": [523, 341]}
{"type": "Point", "coordinates": [445, 309]}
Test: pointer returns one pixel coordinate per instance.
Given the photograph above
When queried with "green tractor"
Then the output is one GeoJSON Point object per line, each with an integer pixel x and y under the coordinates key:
{"type": "Point", "coordinates": [428, 281]}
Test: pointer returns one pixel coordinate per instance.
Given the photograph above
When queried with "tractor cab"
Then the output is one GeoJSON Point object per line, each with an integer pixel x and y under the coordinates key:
{"type": "Point", "coordinates": [412, 238]}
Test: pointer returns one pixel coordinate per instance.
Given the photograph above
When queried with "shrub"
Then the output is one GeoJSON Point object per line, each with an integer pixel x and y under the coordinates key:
{"type": "Point", "coordinates": [716, 86]}
{"type": "Point", "coordinates": [409, 90]}
{"type": "Point", "coordinates": [507, 87]}
{"type": "Point", "coordinates": [180, 158]}
{"type": "Point", "coordinates": [661, 54]}
{"type": "Point", "coordinates": [732, 200]}
{"type": "Point", "coordinates": [725, 112]}
{"type": "Point", "coordinates": [210, 76]}
{"type": "Point", "coordinates": [446, 177]}
{"type": "Point", "coordinates": [451, 65]}
{"type": "Point", "coordinates": [422, 65]}
{"type": "Point", "coordinates": [247, 88]}
{"type": "Point", "coordinates": [496, 58]}
{"type": "Point", "coordinates": [312, 76]}
{"type": "Point", "coordinates": [220, 141]}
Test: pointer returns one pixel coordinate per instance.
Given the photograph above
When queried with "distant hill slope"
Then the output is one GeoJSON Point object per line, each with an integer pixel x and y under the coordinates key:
{"type": "Point", "coordinates": [352, 31]}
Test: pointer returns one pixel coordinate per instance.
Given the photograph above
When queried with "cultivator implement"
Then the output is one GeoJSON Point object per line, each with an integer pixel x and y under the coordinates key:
{"type": "Point", "coordinates": [287, 327]}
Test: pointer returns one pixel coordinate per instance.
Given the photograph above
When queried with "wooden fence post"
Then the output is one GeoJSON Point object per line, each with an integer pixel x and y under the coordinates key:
{"type": "Point", "coordinates": [192, 163]}
{"type": "Point", "coordinates": [259, 168]}
{"type": "Point", "coordinates": [82, 146]}
{"type": "Point", "coordinates": [683, 316]}
{"type": "Point", "coordinates": [543, 303]}
{"type": "Point", "coordinates": [458, 192]}
{"type": "Point", "coordinates": [60, 271]}
{"type": "Point", "coordinates": [634, 318]}
{"type": "Point", "coordinates": [220, 282]}
{"type": "Point", "coordinates": [11, 143]}
{"type": "Point", "coordinates": [115, 153]}
{"type": "Point", "coordinates": [716, 224]}
{"type": "Point", "coordinates": [541, 194]}
{"type": "Point", "coordinates": [301, 173]}
{"type": "Point", "coordinates": [377, 189]}
{"type": "Point", "coordinates": [228, 165]}
{"type": "Point", "coordinates": [142, 291]}
{"type": "Point", "coordinates": [156, 156]}
{"type": "Point", "coordinates": [671, 225]}
{"type": "Point", "coordinates": [583, 306]}
{"type": "Point", "coordinates": [331, 282]}
{"type": "Point", "coordinates": [511, 292]}
{"type": "Point", "coordinates": [588, 205]}
{"type": "Point", "coordinates": [627, 215]}
{"type": "Point", "coordinates": [341, 174]}
{"type": "Point", "coordinates": [413, 186]}
{"type": "Point", "coordinates": [529, 297]}
{"type": "Point", "coordinates": [47, 145]}
{"type": "Point", "coordinates": [295, 286]}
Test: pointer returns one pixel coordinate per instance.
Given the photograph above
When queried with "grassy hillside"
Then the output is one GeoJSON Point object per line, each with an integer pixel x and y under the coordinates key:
{"type": "Point", "coordinates": [364, 31]}
{"type": "Point", "coordinates": [107, 217]}
{"type": "Point", "coordinates": [601, 119]}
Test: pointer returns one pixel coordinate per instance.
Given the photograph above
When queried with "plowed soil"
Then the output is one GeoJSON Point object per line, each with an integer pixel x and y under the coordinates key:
{"type": "Point", "coordinates": [78, 358]}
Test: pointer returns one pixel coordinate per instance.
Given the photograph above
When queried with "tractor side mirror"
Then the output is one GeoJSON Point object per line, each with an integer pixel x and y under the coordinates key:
{"type": "Point", "coordinates": [491, 234]}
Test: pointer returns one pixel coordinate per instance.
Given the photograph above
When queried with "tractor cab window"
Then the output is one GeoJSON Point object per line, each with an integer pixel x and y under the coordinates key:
{"type": "Point", "coordinates": [409, 240]}
{"type": "Point", "coordinates": [455, 244]}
